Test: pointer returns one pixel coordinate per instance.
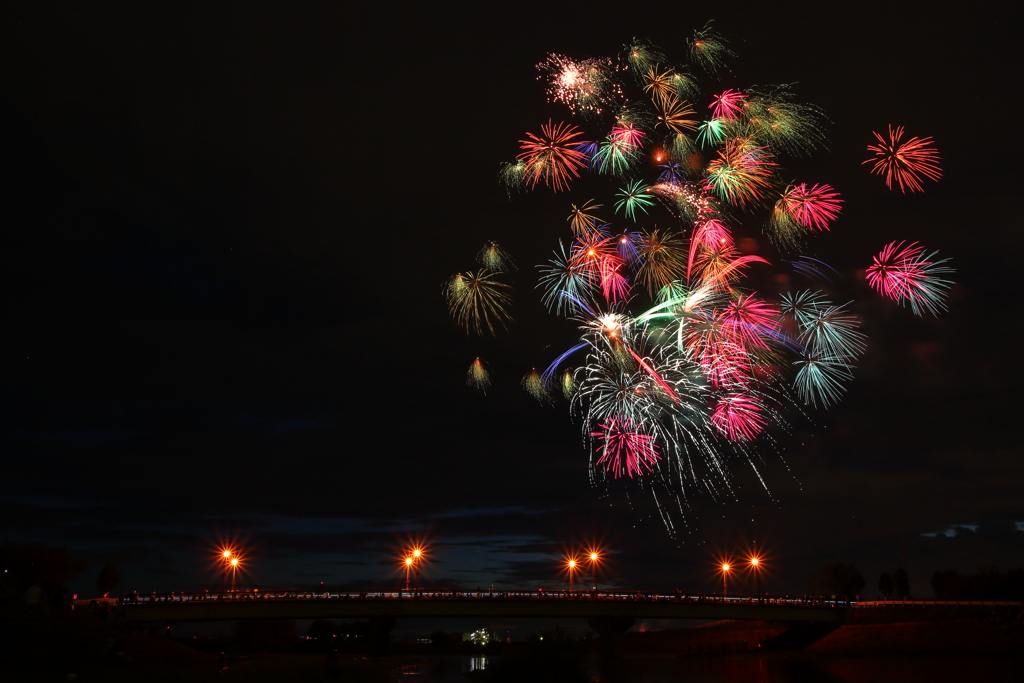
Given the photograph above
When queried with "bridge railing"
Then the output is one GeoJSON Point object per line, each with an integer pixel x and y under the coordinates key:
{"type": "Point", "coordinates": [546, 596]}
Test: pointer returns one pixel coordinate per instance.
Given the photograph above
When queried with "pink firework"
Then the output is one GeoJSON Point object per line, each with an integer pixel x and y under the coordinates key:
{"type": "Point", "coordinates": [812, 207]}
{"type": "Point", "coordinates": [624, 450]}
{"type": "Point", "coordinates": [627, 136]}
{"type": "Point", "coordinates": [752, 320]}
{"type": "Point", "coordinates": [552, 156]}
{"type": "Point", "coordinates": [725, 365]}
{"type": "Point", "coordinates": [905, 273]}
{"type": "Point", "coordinates": [906, 162]}
{"type": "Point", "coordinates": [738, 417]}
{"type": "Point", "coordinates": [710, 236]}
{"type": "Point", "coordinates": [728, 105]}
{"type": "Point", "coordinates": [614, 284]}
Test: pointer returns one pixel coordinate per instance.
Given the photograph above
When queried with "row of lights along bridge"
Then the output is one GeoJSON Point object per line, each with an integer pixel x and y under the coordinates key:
{"type": "Point", "coordinates": [414, 557]}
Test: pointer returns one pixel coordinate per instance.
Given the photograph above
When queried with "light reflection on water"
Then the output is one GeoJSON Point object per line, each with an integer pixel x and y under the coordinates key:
{"type": "Point", "coordinates": [475, 664]}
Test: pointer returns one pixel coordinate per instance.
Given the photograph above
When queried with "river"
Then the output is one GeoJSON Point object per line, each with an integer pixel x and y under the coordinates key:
{"type": "Point", "coordinates": [782, 669]}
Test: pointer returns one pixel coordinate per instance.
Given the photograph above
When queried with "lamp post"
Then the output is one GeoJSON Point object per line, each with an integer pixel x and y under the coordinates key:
{"type": "Point", "coordinates": [408, 568]}
{"type": "Point", "coordinates": [595, 558]}
{"type": "Point", "coordinates": [234, 572]}
{"type": "Point", "coordinates": [725, 578]}
{"type": "Point", "coordinates": [571, 565]}
{"type": "Point", "coordinates": [417, 557]}
{"type": "Point", "coordinates": [226, 558]}
{"type": "Point", "coordinates": [755, 566]}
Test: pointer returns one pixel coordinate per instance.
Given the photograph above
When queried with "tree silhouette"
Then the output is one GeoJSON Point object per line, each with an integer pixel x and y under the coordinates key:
{"type": "Point", "coordinates": [885, 585]}
{"type": "Point", "coordinates": [901, 583]}
{"type": "Point", "coordinates": [839, 579]}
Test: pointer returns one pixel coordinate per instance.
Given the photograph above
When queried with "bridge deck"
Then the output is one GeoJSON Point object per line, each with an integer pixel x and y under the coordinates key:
{"type": "Point", "coordinates": [230, 607]}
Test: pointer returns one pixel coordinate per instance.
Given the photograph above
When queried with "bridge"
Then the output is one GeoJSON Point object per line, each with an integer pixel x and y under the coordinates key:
{"type": "Point", "coordinates": [491, 604]}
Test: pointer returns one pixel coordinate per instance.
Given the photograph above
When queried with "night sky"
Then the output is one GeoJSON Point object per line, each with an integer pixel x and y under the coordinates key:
{"type": "Point", "coordinates": [227, 230]}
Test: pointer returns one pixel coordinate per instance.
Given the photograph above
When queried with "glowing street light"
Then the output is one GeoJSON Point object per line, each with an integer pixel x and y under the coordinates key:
{"type": "Point", "coordinates": [413, 559]}
{"type": "Point", "coordinates": [594, 557]}
{"type": "Point", "coordinates": [234, 572]}
{"type": "Point", "coordinates": [755, 566]}
{"type": "Point", "coordinates": [408, 562]}
{"type": "Point", "coordinates": [725, 578]}
{"type": "Point", "coordinates": [572, 565]}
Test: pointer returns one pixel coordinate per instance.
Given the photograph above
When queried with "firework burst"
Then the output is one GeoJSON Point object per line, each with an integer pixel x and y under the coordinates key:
{"type": "Point", "coordinates": [634, 196]}
{"type": "Point", "coordinates": [716, 358]}
{"type": "Point", "coordinates": [742, 172]}
{"type": "Point", "coordinates": [709, 49]}
{"type": "Point", "coordinates": [623, 449]}
{"type": "Point", "coordinates": [495, 258]}
{"type": "Point", "coordinates": [478, 300]}
{"type": "Point", "coordinates": [904, 272]}
{"type": "Point", "coordinates": [585, 86]}
{"type": "Point", "coordinates": [478, 377]}
{"type": "Point", "coordinates": [552, 156]}
{"type": "Point", "coordinates": [905, 162]}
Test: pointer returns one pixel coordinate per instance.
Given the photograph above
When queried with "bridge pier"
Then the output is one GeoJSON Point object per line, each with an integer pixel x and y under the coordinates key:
{"type": "Point", "coordinates": [609, 644]}
{"type": "Point", "coordinates": [379, 635]}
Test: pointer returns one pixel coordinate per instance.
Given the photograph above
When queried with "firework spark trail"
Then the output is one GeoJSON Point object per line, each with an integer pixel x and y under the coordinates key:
{"type": "Point", "coordinates": [811, 207]}
{"type": "Point", "coordinates": [495, 258]}
{"type": "Point", "coordinates": [624, 450]}
{"type": "Point", "coordinates": [478, 377]}
{"type": "Point", "coordinates": [738, 416]}
{"type": "Point", "coordinates": [742, 172]}
{"type": "Point", "coordinates": [728, 106]}
{"type": "Point", "coordinates": [904, 272]}
{"type": "Point", "coordinates": [584, 86]}
{"type": "Point", "coordinates": [904, 162]}
{"type": "Point", "coordinates": [478, 300]}
{"type": "Point", "coordinates": [634, 196]}
{"type": "Point", "coordinates": [552, 156]}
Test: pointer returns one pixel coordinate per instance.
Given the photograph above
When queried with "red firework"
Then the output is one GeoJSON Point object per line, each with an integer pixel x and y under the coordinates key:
{"type": "Point", "coordinates": [553, 156]}
{"type": "Point", "coordinates": [906, 162]}
{"type": "Point", "coordinates": [624, 449]}
{"type": "Point", "coordinates": [812, 207]}
{"type": "Point", "coordinates": [738, 417]}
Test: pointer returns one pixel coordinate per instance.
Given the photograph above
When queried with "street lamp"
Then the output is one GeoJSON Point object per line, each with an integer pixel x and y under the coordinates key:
{"type": "Point", "coordinates": [725, 578]}
{"type": "Point", "coordinates": [414, 557]}
{"type": "Point", "coordinates": [225, 557]}
{"type": "Point", "coordinates": [594, 557]}
{"type": "Point", "coordinates": [234, 572]}
{"type": "Point", "coordinates": [408, 567]}
{"type": "Point", "coordinates": [571, 566]}
{"type": "Point", "coordinates": [755, 566]}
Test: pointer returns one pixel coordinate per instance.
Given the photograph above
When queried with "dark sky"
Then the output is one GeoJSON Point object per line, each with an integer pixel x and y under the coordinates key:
{"type": "Point", "coordinates": [227, 231]}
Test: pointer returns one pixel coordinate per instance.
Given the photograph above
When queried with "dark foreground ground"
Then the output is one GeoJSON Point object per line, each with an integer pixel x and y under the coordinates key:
{"type": "Point", "coordinates": [84, 648]}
